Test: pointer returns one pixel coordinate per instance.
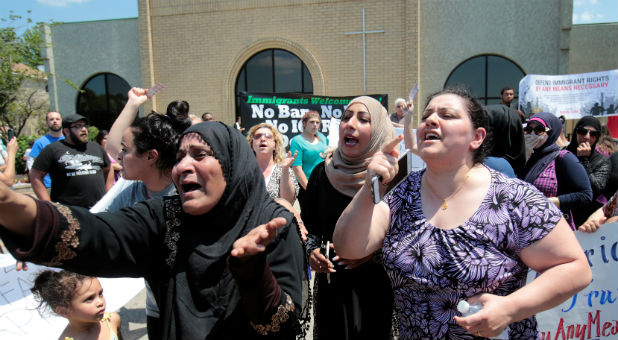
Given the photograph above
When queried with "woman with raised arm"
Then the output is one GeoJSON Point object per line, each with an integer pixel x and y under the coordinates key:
{"type": "Point", "coordinates": [178, 110]}
{"type": "Point", "coordinates": [223, 259]}
{"type": "Point", "coordinates": [353, 299]}
{"type": "Point", "coordinates": [460, 231]}
{"type": "Point", "coordinates": [146, 159]}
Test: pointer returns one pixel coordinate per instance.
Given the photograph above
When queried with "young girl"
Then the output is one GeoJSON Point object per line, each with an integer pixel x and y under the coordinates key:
{"type": "Point", "coordinates": [80, 299]}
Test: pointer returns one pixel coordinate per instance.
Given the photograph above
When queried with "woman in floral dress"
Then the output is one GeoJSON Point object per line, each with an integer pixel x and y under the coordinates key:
{"type": "Point", "coordinates": [460, 231]}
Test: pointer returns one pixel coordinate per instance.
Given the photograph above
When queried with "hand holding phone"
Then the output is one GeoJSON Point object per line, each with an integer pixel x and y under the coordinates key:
{"type": "Point", "coordinates": [405, 167]}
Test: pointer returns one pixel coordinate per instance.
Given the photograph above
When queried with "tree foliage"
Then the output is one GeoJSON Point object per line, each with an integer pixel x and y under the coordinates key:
{"type": "Point", "coordinates": [19, 102]}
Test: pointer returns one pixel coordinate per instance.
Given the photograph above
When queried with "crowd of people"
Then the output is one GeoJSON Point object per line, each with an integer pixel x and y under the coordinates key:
{"type": "Point", "coordinates": [227, 227]}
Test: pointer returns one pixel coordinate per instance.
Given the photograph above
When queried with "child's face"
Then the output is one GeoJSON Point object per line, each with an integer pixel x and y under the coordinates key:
{"type": "Point", "coordinates": [88, 304]}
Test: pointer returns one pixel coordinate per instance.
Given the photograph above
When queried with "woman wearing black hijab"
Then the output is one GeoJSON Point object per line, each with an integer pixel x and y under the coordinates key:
{"type": "Point", "coordinates": [557, 174]}
{"type": "Point", "coordinates": [583, 145]}
{"type": "Point", "coordinates": [507, 137]}
{"type": "Point", "coordinates": [223, 259]}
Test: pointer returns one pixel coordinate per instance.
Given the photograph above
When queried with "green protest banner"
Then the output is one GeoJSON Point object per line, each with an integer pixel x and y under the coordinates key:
{"type": "Point", "coordinates": [285, 110]}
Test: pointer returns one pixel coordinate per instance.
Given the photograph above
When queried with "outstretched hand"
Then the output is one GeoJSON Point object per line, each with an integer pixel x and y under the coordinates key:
{"type": "Point", "coordinates": [257, 239]}
{"type": "Point", "coordinates": [289, 160]}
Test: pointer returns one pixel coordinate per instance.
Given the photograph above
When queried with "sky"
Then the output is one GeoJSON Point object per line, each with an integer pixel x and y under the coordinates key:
{"type": "Point", "coordinates": [595, 11]}
{"type": "Point", "coordinates": [68, 10]}
{"type": "Point", "coordinates": [584, 11]}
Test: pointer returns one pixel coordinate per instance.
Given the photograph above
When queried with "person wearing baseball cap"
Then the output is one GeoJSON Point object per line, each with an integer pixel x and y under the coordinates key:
{"type": "Point", "coordinates": [79, 168]}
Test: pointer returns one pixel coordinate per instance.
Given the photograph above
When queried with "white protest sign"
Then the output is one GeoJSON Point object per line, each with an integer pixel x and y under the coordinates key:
{"type": "Point", "coordinates": [593, 312]}
{"type": "Point", "coordinates": [571, 95]}
{"type": "Point", "coordinates": [19, 318]}
{"type": "Point", "coordinates": [333, 132]}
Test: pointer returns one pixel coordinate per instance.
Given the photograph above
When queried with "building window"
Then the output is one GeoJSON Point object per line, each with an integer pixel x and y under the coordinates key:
{"type": "Point", "coordinates": [486, 75]}
{"type": "Point", "coordinates": [273, 71]}
{"type": "Point", "coordinates": [101, 99]}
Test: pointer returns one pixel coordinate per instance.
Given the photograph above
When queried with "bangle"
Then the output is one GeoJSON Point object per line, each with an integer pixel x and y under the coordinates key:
{"type": "Point", "coordinates": [300, 222]}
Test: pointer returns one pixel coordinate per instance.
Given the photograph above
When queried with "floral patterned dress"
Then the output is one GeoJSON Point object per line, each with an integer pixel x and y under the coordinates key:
{"type": "Point", "coordinates": [432, 269]}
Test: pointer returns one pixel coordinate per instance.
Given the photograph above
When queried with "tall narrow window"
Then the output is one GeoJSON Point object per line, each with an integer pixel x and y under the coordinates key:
{"type": "Point", "coordinates": [101, 99]}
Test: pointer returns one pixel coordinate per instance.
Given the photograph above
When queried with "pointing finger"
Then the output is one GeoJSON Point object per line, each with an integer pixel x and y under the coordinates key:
{"type": "Point", "coordinates": [391, 147]}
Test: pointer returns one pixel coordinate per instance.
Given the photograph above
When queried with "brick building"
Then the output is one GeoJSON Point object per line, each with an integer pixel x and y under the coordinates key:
{"type": "Point", "coordinates": [206, 51]}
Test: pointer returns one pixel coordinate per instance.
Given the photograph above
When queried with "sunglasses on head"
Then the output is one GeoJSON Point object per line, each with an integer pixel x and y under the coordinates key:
{"type": "Point", "coordinates": [583, 131]}
{"type": "Point", "coordinates": [536, 128]}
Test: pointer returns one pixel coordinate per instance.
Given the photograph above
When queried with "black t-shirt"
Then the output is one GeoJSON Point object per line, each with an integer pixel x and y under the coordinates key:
{"type": "Point", "coordinates": [76, 172]}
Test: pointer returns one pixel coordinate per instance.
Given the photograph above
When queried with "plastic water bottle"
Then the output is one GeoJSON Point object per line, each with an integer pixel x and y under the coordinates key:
{"type": "Point", "coordinates": [467, 309]}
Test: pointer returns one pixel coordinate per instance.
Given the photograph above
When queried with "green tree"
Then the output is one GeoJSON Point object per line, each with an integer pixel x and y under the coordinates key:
{"type": "Point", "coordinates": [18, 102]}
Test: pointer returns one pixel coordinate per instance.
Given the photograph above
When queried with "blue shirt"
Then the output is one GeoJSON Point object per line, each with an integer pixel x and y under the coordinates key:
{"type": "Point", "coordinates": [500, 164]}
{"type": "Point", "coordinates": [38, 146]}
{"type": "Point", "coordinates": [309, 155]}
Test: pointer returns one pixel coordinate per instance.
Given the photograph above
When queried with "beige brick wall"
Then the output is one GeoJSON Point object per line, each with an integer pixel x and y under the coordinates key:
{"type": "Point", "coordinates": [196, 48]}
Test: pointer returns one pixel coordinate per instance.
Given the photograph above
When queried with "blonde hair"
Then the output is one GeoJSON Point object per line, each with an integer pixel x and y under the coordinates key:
{"type": "Point", "coordinates": [279, 152]}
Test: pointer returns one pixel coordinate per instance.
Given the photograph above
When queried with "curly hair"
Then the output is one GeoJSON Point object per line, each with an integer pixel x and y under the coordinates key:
{"type": "Point", "coordinates": [279, 152]}
{"type": "Point", "coordinates": [475, 111]}
{"type": "Point", "coordinates": [56, 289]}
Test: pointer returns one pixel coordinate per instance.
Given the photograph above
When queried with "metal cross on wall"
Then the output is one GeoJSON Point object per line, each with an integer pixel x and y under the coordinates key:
{"type": "Point", "coordinates": [364, 33]}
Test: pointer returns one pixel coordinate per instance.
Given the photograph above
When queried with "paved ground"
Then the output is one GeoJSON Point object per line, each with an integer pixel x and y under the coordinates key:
{"type": "Point", "coordinates": [133, 316]}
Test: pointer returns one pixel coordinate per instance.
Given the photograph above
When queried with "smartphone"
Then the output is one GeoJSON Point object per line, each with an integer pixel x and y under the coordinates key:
{"type": "Point", "coordinates": [154, 90]}
{"type": "Point", "coordinates": [405, 167]}
{"type": "Point", "coordinates": [11, 134]}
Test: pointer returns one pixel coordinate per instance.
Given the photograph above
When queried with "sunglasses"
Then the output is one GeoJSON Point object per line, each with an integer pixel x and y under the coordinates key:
{"type": "Point", "coordinates": [583, 131]}
{"type": "Point", "coordinates": [538, 129]}
{"type": "Point", "coordinates": [258, 136]}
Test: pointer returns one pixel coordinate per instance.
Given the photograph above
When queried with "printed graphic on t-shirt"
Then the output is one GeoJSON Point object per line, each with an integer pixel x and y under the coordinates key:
{"type": "Point", "coordinates": [81, 164]}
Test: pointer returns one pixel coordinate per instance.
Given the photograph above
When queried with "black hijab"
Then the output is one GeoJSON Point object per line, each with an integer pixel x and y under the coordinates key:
{"type": "Point", "coordinates": [205, 300]}
{"type": "Point", "coordinates": [543, 155]}
{"type": "Point", "coordinates": [586, 121]}
{"type": "Point", "coordinates": [507, 136]}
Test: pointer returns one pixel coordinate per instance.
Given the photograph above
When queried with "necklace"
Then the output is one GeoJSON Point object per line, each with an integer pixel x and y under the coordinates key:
{"type": "Point", "coordinates": [444, 206]}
